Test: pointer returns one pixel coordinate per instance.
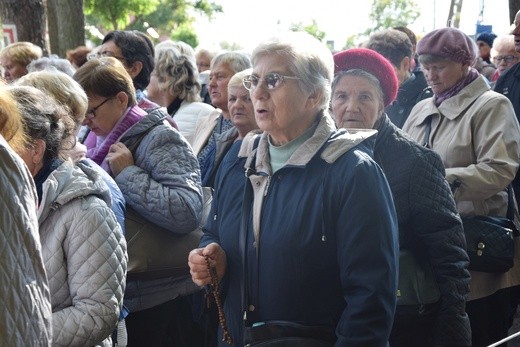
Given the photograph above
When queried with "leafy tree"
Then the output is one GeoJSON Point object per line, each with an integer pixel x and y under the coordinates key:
{"type": "Point", "coordinates": [117, 14]}
{"type": "Point", "coordinates": [186, 33]}
{"type": "Point", "coordinates": [170, 18]}
{"type": "Point", "coordinates": [311, 29]}
{"type": "Point", "coordinates": [387, 14]}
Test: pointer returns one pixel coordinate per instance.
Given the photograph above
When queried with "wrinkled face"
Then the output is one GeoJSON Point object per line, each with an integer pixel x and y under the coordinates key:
{"type": "Point", "coordinates": [286, 111]}
{"type": "Point", "coordinates": [516, 33]}
{"type": "Point", "coordinates": [444, 74]}
{"type": "Point", "coordinates": [12, 70]}
{"type": "Point", "coordinates": [356, 103]}
{"type": "Point", "coordinates": [241, 109]}
{"type": "Point", "coordinates": [505, 58]}
{"type": "Point", "coordinates": [103, 114]}
{"type": "Point", "coordinates": [218, 83]}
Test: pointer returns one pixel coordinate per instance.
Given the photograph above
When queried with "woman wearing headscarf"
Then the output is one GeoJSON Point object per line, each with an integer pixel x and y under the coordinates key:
{"type": "Point", "coordinates": [476, 134]}
{"type": "Point", "coordinates": [429, 225]}
{"type": "Point", "coordinates": [84, 249]}
{"type": "Point", "coordinates": [306, 253]}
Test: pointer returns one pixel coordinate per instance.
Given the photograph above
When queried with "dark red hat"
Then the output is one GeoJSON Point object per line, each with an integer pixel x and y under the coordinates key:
{"type": "Point", "coordinates": [372, 62]}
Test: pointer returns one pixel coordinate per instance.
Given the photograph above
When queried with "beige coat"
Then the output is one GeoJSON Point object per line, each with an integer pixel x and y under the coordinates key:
{"type": "Point", "coordinates": [203, 130]}
{"type": "Point", "coordinates": [478, 138]}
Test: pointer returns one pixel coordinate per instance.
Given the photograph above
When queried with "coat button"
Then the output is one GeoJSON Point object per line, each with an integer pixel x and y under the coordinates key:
{"type": "Point", "coordinates": [251, 308]}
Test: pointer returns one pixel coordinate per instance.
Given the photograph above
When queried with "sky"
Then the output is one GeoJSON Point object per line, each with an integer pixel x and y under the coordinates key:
{"type": "Point", "coordinates": [247, 22]}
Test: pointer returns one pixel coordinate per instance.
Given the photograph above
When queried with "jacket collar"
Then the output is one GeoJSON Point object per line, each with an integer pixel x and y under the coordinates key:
{"type": "Point", "coordinates": [451, 108]}
{"type": "Point", "coordinates": [68, 182]}
{"type": "Point", "coordinates": [338, 143]}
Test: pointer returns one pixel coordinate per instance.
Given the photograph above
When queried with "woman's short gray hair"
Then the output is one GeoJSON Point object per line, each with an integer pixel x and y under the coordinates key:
{"type": "Point", "coordinates": [237, 61]}
{"type": "Point", "coordinates": [308, 59]}
{"type": "Point", "coordinates": [44, 119]}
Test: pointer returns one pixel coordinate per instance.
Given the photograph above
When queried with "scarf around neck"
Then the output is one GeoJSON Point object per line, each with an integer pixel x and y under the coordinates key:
{"type": "Point", "coordinates": [97, 147]}
{"type": "Point", "coordinates": [440, 98]}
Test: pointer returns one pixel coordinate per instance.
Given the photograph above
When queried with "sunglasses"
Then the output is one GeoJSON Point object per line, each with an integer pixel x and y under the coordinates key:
{"type": "Point", "coordinates": [271, 81]}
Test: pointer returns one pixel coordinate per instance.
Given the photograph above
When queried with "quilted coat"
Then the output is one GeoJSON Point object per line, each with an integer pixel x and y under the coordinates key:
{"type": "Point", "coordinates": [477, 136]}
{"type": "Point", "coordinates": [164, 187]}
{"type": "Point", "coordinates": [429, 225]}
{"type": "Point", "coordinates": [25, 308]}
{"type": "Point", "coordinates": [314, 255]}
{"type": "Point", "coordinates": [85, 256]}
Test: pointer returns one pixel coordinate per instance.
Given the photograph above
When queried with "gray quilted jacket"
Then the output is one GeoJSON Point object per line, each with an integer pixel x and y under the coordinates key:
{"type": "Point", "coordinates": [85, 256]}
{"type": "Point", "coordinates": [25, 307]}
{"type": "Point", "coordinates": [164, 187]}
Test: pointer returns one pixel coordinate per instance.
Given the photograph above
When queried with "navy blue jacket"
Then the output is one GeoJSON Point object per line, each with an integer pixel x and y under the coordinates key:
{"type": "Point", "coordinates": [328, 247]}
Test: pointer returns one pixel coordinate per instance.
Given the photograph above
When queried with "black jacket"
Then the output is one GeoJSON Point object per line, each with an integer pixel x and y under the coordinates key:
{"type": "Point", "coordinates": [509, 85]}
{"type": "Point", "coordinates": [410, 93]}
{"type": "Point", "coordinates": [429, 224]}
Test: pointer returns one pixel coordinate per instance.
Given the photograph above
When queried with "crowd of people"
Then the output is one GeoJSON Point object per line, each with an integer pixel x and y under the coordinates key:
{"type": "Point", "coordinates": [332, 175]}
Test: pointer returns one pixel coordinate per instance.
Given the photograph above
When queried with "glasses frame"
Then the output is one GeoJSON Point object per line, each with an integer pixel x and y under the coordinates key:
{"type": "Point", "coordinates": [91, 114]}
{"type": "Point", "coordinates": [248, 81]}
{"type": "Point", "coordinates": [507, 58]}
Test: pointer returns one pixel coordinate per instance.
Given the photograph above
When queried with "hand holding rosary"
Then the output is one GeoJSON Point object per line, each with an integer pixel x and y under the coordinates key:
{"type": "Point", "coordinates": [215, 291]}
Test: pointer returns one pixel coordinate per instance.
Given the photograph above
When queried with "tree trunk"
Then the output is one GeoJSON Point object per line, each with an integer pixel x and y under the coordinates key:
{"type": "Point", "coordinates": [514, 7]}
{"type": "Point", "coordinates": [29, 18]}
{"type": "Point", "coordinates": [454, 14]}
{"type": "Point", "coordinates": [66, 23]}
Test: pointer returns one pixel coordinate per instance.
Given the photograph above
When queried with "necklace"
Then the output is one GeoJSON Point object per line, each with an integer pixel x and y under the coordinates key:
{"type": "Point", "coordinates": [215, 291]}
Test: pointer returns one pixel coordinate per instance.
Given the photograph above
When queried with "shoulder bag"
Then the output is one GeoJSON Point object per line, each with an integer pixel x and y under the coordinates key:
{"type": "Point", "coordinates": [153, 251]}
{"type": "Point", "coordinates": [489, 239]}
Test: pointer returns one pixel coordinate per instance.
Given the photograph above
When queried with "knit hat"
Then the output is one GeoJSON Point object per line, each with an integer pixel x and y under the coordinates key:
{"type": "Point", "coordinates": [487, 38]}
{"type": "Point", "coordinates": [449, 43]}
{"type": "Point", "coordinates": [373, 63]}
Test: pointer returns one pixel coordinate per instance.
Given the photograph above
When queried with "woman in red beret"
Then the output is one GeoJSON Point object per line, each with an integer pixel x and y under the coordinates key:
{"type": "Point", "coordinates": [475, 132]}
{"type": "Point", "coordinates": [430, 232]}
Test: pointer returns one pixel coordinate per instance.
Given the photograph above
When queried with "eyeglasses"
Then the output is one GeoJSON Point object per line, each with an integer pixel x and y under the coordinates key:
{"type": "Point", "coordinates": [506, 58]}
{"type": "Point", "coordinates": [92, 112]}
{"type": "Point", "coordinates": [104, 54]}
{"type": "Point", "coordinates": [272, 81]}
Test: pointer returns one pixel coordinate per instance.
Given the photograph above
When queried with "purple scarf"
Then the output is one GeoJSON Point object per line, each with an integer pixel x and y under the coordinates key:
{"type": "Point", "coordinates": [472, 75]}
{"type": "Point", "coordinates": [97, 149]}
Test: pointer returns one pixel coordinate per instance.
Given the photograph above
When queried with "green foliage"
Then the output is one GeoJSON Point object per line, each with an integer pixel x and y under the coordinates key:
{"type": "Point", "coordinates": [170, 18]}
{"type": "Point", "coordinates": [310, 29]}
{"type": "Point", "coordinates": [186, 33]}
{"type": "Point", "coordinates": [117, 14]}
{"type": "Point", "coordinates": [387, 14]}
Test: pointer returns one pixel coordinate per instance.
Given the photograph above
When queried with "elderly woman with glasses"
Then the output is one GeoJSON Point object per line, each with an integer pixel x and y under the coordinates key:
{"type": "Point", "coordinates": [504, 54]}
{"type": "Point", "coordinates": [159, 178]}
{"type": "Point", "coordinates": [312, 254]}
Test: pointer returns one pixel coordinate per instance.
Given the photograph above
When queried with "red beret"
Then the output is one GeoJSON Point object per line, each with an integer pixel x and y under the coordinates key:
{"type": "Point", "coordinates": [373, 63]}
